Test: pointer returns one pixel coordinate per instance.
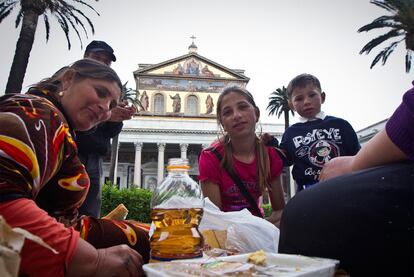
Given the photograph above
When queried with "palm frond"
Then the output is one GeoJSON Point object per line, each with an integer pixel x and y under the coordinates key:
{"type": "Point", "coordinates": [64, 25]}
{"type": "Point", "coordinates": [388, 50]}
{"type": "Point", "coordinates": [378, 40]}
{"type": "Point", "coordinates": [384, 54]}
{"type": "Point", "coordinates": [6, 9]}
{"type": "Point", "coordinates": [408, 58]}
{"type": "Point", "coordinates": [18, 18]}
{"type": "Point", "coordinates": [130, 95]}
{"type": "Point", "coordinates": [4, 5]}
{"type": "Point", "coordinates": [79, 22]}
{"type": "Point", "coordinates": [47, 26]}
{"type": "Point", "coordinates": [88, 20]}
{"type": "Point", "coordinates": [69, 19]}
{"type": "Point", "coordinates": [401, 22]}
{"type": "Point", "coordinates": [67, 14]}
{"type": "Point", "coordinates": [89, 6]}
{"type": "Point", "coordinates": [381, 22]}
{"type": "Point", "coordinates": [386, 4]}
{"type": "Point", "coordinates": [401, 5]}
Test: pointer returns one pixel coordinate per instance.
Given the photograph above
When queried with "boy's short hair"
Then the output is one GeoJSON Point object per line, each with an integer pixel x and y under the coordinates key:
{"type": "Point", "coordinates": [301, 81]}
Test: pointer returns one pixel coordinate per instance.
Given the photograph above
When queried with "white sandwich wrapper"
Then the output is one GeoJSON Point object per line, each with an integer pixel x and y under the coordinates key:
{"type": "Point", "coordinates": [276, 265]}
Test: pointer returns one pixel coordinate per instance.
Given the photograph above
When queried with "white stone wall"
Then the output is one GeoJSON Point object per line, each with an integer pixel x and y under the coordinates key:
{"type": "Point", "coordinates": [191, 131]}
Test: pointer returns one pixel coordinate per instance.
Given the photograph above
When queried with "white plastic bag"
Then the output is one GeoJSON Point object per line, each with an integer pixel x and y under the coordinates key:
{"type": "Point", "coordinates": [245, 232]}
{"type": "Point", "coordinates": [11, 242]}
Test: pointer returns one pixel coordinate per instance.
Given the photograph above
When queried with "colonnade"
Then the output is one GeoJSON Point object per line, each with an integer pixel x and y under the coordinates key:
{"type": "Point", "coordinates": [160, 169]}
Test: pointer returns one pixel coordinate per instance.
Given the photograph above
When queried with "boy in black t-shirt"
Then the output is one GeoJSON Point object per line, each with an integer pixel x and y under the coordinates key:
{"type": "Point", "coordinates": [317, 138]}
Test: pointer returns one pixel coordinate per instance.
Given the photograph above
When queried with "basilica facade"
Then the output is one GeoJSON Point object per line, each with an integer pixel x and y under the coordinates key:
{"type": "Point", "coordinates": [177, 117]}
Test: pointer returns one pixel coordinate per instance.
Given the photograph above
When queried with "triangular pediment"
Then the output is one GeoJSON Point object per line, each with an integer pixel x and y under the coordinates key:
{"type": "Point", "coordinates": [191, 66]}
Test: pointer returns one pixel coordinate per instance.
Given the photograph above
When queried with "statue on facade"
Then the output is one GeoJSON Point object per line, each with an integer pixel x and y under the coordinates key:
{"type": "Point", "coordinates": [209, 104]}
{"type": "Point", "coordinates": [178, 70]}
{"type": "Point", "coordinates": [176, 103]}
{"type": "Point", "coordinates": [144, 101]}
{"type": "Point", "coordinates": [206, 72]}
{"type": "Point", "coordinates": [192, 67]}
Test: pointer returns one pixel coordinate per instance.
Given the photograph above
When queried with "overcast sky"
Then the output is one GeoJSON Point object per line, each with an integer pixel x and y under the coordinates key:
{"type": "Point", "coordinates": [272, 40]}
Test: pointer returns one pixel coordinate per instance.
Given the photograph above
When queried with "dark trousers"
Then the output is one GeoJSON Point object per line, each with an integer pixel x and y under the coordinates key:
{"type": "Point", "coordinates": [92, 204]}
{"type": "Point", "coordinates": [364, 219]}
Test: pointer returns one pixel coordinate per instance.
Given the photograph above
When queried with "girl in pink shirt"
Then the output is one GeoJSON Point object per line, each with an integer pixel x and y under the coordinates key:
{"type": "Point", "coordinates": [243, 154]}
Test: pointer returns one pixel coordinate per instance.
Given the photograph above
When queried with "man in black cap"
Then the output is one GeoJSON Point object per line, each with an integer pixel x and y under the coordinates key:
{"type": "Point", "coordinates": [100, 51]}
{"type": "Point", "coordinates": [93, 146]}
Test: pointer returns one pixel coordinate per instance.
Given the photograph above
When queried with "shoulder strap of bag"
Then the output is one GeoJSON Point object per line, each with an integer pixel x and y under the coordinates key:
{"type": "Point", "coordinates": [239, 184]}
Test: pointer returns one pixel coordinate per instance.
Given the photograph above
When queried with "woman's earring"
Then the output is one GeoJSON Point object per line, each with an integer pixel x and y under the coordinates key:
{"type": "Point", "coordinates": [60, 93]}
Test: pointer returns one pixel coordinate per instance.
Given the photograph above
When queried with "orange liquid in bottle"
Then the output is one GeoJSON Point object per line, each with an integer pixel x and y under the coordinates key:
{"type": "Point", "coordinates": [176, 235]}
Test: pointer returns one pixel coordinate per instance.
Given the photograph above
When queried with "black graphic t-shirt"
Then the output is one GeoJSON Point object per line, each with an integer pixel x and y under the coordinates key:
{"type": "Point", "coordinates": [311, 144]}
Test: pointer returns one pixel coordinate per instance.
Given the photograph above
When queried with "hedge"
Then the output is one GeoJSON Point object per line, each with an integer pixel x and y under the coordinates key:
{"type": "Point", "coordinates": [267, 209]}
{"type": "Point", "coordinates": [137, 202]}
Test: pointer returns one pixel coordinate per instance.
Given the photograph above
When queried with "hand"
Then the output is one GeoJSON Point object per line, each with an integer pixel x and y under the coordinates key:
{"type": "Point", "coordinates": [269, 140]}
{"type": "Point", "coordinates": [275, 217]}
{"type": "Point", "coordinates": [120, 260]}
{"type": "Point", "coordinates": [337, 166]}
{"type": "Point", "coordinates": [122, 112]}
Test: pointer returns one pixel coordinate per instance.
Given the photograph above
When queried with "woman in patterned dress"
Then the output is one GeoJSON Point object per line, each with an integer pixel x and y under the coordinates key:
{"type": "Point", "coordinates": [43, 182]}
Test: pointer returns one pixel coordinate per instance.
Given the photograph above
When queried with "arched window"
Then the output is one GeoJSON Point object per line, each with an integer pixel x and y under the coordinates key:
{"type": "Point", "coordinates": [159, 103]}
{"type": "Point", "coordinates": [192, 105]}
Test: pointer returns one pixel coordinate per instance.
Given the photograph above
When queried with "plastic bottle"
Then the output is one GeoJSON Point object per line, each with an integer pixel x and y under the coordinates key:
{"type": "Point", "coordinates": [176, 211]}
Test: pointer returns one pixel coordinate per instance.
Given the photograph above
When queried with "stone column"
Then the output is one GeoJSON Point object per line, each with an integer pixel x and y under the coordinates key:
{"type": "Point", "coordinates": [137, 165]}
{"type": "Point", "coordinates": [160, 172]}
{"type": "Point", "coordinates": [183, 147]}
{"type": "Point", "coordinates": [116, 164]}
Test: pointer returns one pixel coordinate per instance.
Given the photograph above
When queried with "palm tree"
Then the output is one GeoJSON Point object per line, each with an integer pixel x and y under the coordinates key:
{"type": "Point", "coordinates": [279, 105]}
{"type": "Point", "coordinates": [401, 22]}
{"type": "Point", "coordinates": [66, 14]}
{"type": "Point", "coordinates": [132, 96]}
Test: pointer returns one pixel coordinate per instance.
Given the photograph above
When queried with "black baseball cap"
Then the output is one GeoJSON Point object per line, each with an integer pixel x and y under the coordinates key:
{"type": "Point", "coordinates": [98, 45]}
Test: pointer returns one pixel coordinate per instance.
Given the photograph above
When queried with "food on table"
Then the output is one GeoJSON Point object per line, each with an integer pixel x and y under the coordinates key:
{"type": "Point", "coordinates": [119, 213]}
{"type": "Point", "coordinates": [257, 258]}
{"type": "Point", "coordinates": [215, 238]}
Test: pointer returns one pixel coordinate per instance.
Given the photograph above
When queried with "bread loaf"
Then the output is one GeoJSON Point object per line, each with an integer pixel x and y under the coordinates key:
{"type": "Point", "coordinates": [119, 213]}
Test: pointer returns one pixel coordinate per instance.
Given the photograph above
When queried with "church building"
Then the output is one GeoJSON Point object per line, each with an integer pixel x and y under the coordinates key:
{"type": "Point", "coordinates": [177, 117]}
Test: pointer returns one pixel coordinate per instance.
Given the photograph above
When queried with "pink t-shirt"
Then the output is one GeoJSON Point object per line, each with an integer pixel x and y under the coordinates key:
{"type": "Point", "coordinates": [231, 198]}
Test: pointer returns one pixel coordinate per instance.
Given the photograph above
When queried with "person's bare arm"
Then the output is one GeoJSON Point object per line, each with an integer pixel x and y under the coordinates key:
{"type": "Point", "coordinates": [212, 191]}
{"type": "Point", "coordinates": [378, 151]}
{"type": "Point", "coordinates": [277, 200]}
{"type": "Point", "coordinates": [120, 260]}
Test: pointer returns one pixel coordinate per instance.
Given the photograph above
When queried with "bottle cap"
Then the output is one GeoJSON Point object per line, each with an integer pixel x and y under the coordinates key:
{"type": "Point", "coordinates": [177, 163]}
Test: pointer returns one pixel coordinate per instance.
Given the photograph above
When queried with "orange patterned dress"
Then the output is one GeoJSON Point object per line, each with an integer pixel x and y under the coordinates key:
{"type": "Point", "coordinates": [43, 183]}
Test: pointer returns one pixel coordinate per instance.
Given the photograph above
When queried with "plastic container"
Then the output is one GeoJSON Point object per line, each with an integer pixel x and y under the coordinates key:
{"type": "Point", "coordinates": [176, 211]}
{"type": "Point", "coordinates": [276, 265]}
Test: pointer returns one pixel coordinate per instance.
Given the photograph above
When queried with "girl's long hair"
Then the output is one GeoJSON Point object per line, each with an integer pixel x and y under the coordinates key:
{"type": "Point", "coordinates": [263, 162]}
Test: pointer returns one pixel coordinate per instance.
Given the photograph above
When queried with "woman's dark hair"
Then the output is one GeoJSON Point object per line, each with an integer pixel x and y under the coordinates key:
{"type": "Point", "coordinates": [83, 69]}
{"type": "Point", "coordinates": [263, 168]}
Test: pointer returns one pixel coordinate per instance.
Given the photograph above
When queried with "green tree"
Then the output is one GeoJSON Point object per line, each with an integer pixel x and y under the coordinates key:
{"type": "Point", "coordinates": [67, 14]}
{"type": "Point", "coordinates": [131, 96]}
{"type": "Point", "coordinates": [401, 24]}
{"type": "Point", "coordinates": [278, 104]}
